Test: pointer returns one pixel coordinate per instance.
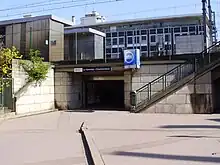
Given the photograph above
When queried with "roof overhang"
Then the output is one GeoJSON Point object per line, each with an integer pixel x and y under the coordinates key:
{"type": "Point", "coordinates": [29, 19]}
{"type": "Point", "coordinates": [83, 30]}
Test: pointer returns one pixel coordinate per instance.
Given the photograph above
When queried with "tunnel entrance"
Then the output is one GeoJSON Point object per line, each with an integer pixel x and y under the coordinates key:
{"type": "Point", "coordinates": [105, 94]}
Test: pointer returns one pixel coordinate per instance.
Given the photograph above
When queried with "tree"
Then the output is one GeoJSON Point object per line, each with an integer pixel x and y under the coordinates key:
{"type": "Point", "coordinates": [35, 68]}
{"type": "Point", "coordinates": [6, 57]}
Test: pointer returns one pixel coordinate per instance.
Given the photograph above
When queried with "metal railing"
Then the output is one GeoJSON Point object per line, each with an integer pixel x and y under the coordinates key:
{"type": "Point", "coordinates": [6, 95]}
{"type": "Point", "coordinates": [166, 81]}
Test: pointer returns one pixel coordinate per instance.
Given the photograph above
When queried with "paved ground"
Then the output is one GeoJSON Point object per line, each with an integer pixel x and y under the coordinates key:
{"type": "Point", "coordinates": [122, 138]}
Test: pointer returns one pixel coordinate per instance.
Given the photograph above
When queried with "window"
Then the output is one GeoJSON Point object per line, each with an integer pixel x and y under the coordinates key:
{"type": "Point", "coordinates": [152, 31]}
{"type": "Point", "coordinates": [121, 41]}
{"type": "Point", "coordinates": [137, 32]}
{"type": "Point", "coordinates": [167, 38]}
{"type": "Point", "coordinates": [193, 33]}
{"type": "Point", "coordinates": [108, 42]}
{"type": "Point", "coordinates": [192, 28]}
{"type": "Point", "coordinates": [167, 47]}
{"type": "Point", "coordinates": [137, 40]}
{"type": "Point", "coordinates": [176, 30]}
{"type": "Point", "coordinates": [144, 38]}
{"type": "Point", "coordinates": [130, 33]}
{"type": "Point", "coordinates": [159, 31]}
{"type": "Point", "coordinates": [108, 35]}
{"type": "Point", "coordinates": [114, 50]}
{"type": "Point", "coordinates": [144, 48]}
{"type": "Point", "coordinates": [177, 35]}
{"type": "Point", "coordinates": [115, 41]}
{"type": "Point", "coordinates": [108, 50]}
{"type": "Point", "coordinates": [130, 40]}
{"type": "Point", "coordinates": [144, 54]}
{"type": "Point", "coordinates": [143, 32]}
{"type": "Point", "coordinates": [121, 34]}
{"type": "Point", "coordinates": [115, 34]}
{"type": "Point", "coordinates": [201, 28]}
{"type": "Point", "coordinates": [153, 38]}
{"type": "Point", "coordinates": [184, 34]}
{"type": "Point", "coordinates": [184, 29]}
{"type": "Point", "coordinates": [153, 48]}
{"type": "Point", "coordinates": [166, 30]}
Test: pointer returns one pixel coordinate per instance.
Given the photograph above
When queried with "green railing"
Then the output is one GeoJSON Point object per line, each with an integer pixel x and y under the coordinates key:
{"type": "Point", "coordinates": [6, 95]}
{"type": "Point", "coordinates": [144, 95]}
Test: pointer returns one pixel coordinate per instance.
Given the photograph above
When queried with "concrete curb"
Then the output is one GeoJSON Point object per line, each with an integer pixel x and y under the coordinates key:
{"type": "Point", "coordinates": [95, 155]}
{"type": "Point", "coordinates": [13, 115]}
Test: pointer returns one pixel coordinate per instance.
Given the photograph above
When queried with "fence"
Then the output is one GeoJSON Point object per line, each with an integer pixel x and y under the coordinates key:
{"type": "Point", "coordinates": [6, 95]}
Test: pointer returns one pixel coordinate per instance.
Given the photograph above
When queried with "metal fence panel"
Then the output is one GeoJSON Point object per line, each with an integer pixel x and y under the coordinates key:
{"type": "Point", "coordinates": [6, 95]}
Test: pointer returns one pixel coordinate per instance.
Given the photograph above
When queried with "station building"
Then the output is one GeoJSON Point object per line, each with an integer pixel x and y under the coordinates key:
{"type": "Point", "coordinates": [93, 70]}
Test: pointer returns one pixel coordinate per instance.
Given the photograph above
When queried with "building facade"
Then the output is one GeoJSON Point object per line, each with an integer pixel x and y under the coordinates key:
{"type": "Point", "coordinates": [183, 34]}
{"type": "Point", "coordinates": [45, 33]}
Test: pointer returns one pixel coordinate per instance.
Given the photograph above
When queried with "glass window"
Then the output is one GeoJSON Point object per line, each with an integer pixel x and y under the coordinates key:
{"type": "Point", "coordinates": [192, 28]}
{"type": "Point", "coordinates": [153, 38]}
{"type": "Point", "coordinates": [108, 42]}
{"type": "Point", "coordinates": [167, 47]}
{"type": "Point", "coordinates": [130, 40]}
{"type": "Point", "coordinates": [144, 38]}
{"type": "Point", "coordinates": [201, 28]}
{"type": "Point", "coordinates": [166, 30]}
{"type": "Point", "coordinates": [115, 34]}
{"type": "Point", "coordinates": [108, 34]}
{"type": "Point", "coordinates": [137, 40]}
{"type": "Point", "coordinates": [137, 32]}
{"type": "Point", "coordinates": [121, 41]}
{"type": "Point", "coordinates": [143, 32]}
{"type": "Point", "coordinates": [193, 33]}
{"type": "Point", "coordinates": [152, 31]}
{"type": "Point", "coordinates": [177, 35]}
{"type": "Point", "coordinates": [159, 31]}
{"type": "Point", "coordinates": [184, 34]}
{"type": "Point", "coordinates": [153, 48]}
{"type": "Point", "coordinates": [176, 30]}
{"type": "Point", "coordinates": [121, 34]}
{"type": "Point", "coordinates": [144, 54]}
{"type": "Point", "coordinates": [114, 50]}
{"type": "Point", "coordinates": [144, 48]}
{"type": "Point", "coordinates": [130, 33]}
{"type": "Point", "coordinates": [108, 50]}
{"type": "Point", "coordinates": [184, 29]}
{"type": "Point", "coordinates": [115, 41]}
{"type": "Point", "coordinates": [167, 38]}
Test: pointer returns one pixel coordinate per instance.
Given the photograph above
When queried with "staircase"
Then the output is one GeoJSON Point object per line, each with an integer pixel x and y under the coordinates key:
{"type": "Point", "coordinates": [168, 83]}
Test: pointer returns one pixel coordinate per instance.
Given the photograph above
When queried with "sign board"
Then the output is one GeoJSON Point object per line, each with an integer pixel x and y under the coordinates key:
{"type": "Point", "coordinates": [96, 69]}
{"type": "Point", "coordinates": [132, 58]}
{"type": "Point", "coordinates": [78, 70]}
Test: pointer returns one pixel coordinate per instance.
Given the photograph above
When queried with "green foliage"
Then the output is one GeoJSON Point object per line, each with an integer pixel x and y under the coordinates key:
{"type": "Point", "coordinates": [35, 68]}
{"type": "Point", "coordinates": [6, 57]}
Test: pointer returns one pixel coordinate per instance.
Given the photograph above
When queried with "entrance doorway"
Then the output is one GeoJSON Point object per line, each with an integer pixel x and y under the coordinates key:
{"type": "Point", "coordinates": [216, 94]}
{"type": "Point", "coordinates": [105, 94]}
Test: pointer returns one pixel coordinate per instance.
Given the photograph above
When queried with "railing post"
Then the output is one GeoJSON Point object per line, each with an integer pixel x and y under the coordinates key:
{"type": "Point", "coordinates": [133, 100]}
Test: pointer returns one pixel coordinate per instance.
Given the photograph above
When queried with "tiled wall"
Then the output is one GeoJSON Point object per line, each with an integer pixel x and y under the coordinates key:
{"type": "Point", "coordinates": [68, 87]}
{"type": "Point", "coordinates": [193, 98]}
{"type": "Point", "coordinates": [32, 97]}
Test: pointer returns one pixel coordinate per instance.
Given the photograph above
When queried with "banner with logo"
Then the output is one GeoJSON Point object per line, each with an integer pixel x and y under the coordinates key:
{"type": "Point", "coordinates": [131, 58]}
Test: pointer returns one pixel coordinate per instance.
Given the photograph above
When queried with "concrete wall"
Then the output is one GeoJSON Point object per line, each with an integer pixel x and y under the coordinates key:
{"type": "Point", "coordinates": [193, 98]}
{"type": "Point", "coordinates": [32, 98]}
{"type": "Point", "coordinates": [68, 89]}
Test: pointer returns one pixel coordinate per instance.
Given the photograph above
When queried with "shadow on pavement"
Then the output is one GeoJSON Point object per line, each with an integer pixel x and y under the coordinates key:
{"type": "Point", "coordinates": [196, 137]}
{"type": "Point", "coordinates": [191, 126]}
{"type": "Point", "coordinates": [216, 120]}
{"type": "Point", "coordinates": [170, 157]}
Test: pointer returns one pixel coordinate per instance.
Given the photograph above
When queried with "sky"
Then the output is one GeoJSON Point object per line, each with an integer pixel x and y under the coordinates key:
{"type": "Point", "coordinates": [118, 10]}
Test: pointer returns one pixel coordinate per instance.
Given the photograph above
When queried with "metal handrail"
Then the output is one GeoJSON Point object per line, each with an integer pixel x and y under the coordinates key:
{"type": "Point", "coordinates": [178, 72]}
